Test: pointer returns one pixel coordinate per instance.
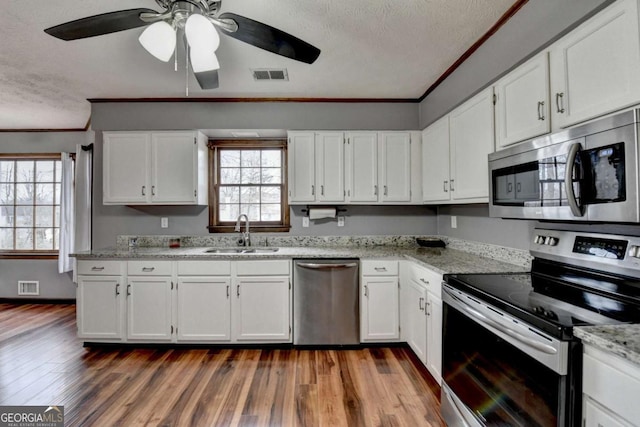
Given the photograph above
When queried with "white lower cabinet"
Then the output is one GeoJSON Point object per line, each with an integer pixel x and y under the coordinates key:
{"type": "Point", "coordinates": [99, 300]}
{"type": "Point", "coordinates": [379, 301]}
{"type": "Point", "coordinates": [204, 309]}
{"type": "Point", "coordinates": [422, 315]}
{"type": "Point", "coordinates": [262, 309]}
{"type": "Point", "coordinates": [149, 308]}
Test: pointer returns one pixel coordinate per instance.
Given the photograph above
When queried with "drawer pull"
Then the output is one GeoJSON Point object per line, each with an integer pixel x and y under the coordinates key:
{"type": "Point", "coordinates": [148, 269]}
{"type": "Point", "coordinates": [426, 282]}
{"type": "Point", "coordinates": [97, 268]}
{"type": "Point", "coordinates": [380, 268]}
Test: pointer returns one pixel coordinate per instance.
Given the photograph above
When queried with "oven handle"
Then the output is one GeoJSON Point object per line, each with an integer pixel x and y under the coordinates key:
{"type": "Point", "coordinates": [481, 318]}
{"type": "Point", "coordinates": [576, 210]}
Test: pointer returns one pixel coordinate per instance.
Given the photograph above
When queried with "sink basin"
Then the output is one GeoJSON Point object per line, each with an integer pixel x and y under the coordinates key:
{"type": "Point", "coordinates": [241, 250]}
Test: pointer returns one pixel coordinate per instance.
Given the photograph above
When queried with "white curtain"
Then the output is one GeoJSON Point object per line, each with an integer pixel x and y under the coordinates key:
{"type": "Point", "coordinates": [84, 173]}
{"type": "Point", "coordinates": [67, 213]}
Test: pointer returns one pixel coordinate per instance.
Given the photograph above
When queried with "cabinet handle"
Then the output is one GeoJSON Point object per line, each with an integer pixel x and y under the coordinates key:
{"type": "Point", "coordinates": [426, 309]}
{"type": "Point", "coordinates": [322, 190]}
{"type": "Point", "coordinates": [518, 187]}
{"type": "Point", "coordinates": [451, 185]}
{"type": "Point", "coordinates": [313, 190]}
{"type": "Point", "coordinates": [148, 269]}
{"type": "Point", "coordinates": [171, 329]}
{"type": "Point", "coordinates": [540, 110]}
{"type": "Point", "coordinates": [228, 291]}
{"type": "Point", "coordinates": [366, 291]}
{"type": "Point", "coordinates": [153, 190]}
{"type": "Point", "coordinates": [375, 190]}
{"type": "Point", "coordinates": [238, 291]}
{"type": "Point", "coordinates": [509, 187]}
{"type": "Point", "coordinates": [560, 102]}
{"type": "Point", "coordinates": [128, 290]}
{"type": "Point", "coordinates": [426, 282]}
{"type": "Point", "coordinates": [380, 268]}
{"type": "Point", "coordinates": [97, 268]}
{"type": "Point", "coordinates": [117, 289]}
{"type": "Point", "coordinates": [144, 190]}
{"type": "Point", "coordinates": [420, 304]}
{"type": "Point", "coordinates": [444, 186]}
{"type": "Point", "coordinates": [385, 190]}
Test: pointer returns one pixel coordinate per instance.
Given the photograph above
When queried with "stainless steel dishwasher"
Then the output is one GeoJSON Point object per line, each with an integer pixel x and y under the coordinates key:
{"type": "Point", "coordinates": [325, 302]}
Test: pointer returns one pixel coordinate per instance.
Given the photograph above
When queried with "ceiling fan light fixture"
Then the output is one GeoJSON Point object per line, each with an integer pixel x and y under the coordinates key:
{"type": "Point", "coordinates": [203, 60]}
{"type": "Point", "coordinates": [159, 39]}
{"type": "Point", "coordinates": [201, 34]}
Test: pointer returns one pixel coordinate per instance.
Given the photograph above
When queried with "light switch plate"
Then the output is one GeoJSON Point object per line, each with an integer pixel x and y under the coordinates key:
{"type": "Point", "coordinates": [340, 221]}
{"type": "Point", "coordinates": [454, 221]}
{"type": "Point", "coordinates": [164, 222]}
{"type": "Point", "coordinates": [305, 221]}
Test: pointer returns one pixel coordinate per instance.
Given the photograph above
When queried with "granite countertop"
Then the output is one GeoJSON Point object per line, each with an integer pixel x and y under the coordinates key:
{"type": "Point", "coordinates": [621, 340]}
{"type": "Point", "coordinates": [441, 260]}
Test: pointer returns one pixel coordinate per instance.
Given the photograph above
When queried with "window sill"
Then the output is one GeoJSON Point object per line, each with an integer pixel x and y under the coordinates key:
{"type": "Point", "coordinates": [28, 255]}
{"type": "Point", "coordinates": [252, 228]}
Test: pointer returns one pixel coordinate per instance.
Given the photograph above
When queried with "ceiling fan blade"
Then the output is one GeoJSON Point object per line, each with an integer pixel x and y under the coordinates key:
{"type": "Point", "coordinates": [207, 79]}
{"type": "Point", "coordinates": [99, 24]}
{"type": "Point", "coordinates": [271, 39]}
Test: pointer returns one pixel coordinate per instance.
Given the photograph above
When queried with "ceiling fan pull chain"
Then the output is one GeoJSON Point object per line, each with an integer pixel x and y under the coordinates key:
{"type": "Point", "coordinates": [186, 71]}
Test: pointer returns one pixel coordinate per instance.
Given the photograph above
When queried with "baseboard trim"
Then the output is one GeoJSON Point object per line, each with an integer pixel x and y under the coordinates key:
{"type": "Point", "coordinates": [37, 301]}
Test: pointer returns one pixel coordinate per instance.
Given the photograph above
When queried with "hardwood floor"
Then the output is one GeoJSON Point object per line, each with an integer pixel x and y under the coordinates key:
{"type": "Point", "coordinates": [43, 363]}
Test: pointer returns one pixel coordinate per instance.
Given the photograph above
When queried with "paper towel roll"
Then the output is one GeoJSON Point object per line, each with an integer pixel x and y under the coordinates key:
{"type": "Point", "coordinates": [319, 213]}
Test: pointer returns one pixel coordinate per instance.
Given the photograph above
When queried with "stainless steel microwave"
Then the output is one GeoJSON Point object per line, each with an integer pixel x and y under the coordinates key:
{"type": "Point", "coordinates": [586, 173]}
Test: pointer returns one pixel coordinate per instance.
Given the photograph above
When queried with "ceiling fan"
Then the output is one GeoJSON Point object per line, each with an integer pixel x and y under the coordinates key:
{"type": "Point", "coordinates": [199, 20]}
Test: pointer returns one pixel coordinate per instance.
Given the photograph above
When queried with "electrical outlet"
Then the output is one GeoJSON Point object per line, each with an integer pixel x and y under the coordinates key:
{"type": "Point", "coordinates": [305, 221]}
{"type": "Point", "coordinates": [164, 222]}
{"type": "Point", "coordinates": [340, 221]}
{"type": "Point", "coordinates": [454, 221]}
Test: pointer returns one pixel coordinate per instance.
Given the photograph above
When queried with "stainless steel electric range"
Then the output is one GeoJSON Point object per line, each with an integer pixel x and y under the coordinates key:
{"type": "Point", "coordinates": [509, 354]}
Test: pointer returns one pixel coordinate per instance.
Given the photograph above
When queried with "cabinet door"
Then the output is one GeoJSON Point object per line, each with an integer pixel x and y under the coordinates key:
{"type": "Point", "coordinates": [262, 309]}
{"type": "Point", "coordinates": [301, 165]}
{"type": "Point", "coordinates": [99, 307]}
{"type": "Point", "coordinates": [471, 138]}
{"type": "Point", "coordinates": [204, 309]}
{"type": "Point", "coordinates": [329, 149]}
{"type": "Point", "coordinates": [362, 167]}
{"type": "Point", "coordinates": [434, 336]}
{"type": "Point", "coordinates": [395, 168]}
{"type": "Point", "coordinates": [597, 416]}
{"type": "Point", "coordinates": [435, 161]}
{"type": "Point", "coordinates": [417, 321]}
{"type": "Point", "coordinates": [522, 102]}
{"type": "Point", "coordinates": [595, 69]}
{"type": "Point", "coordinates": [149, 308]}
{"type": "Point", "coordinates": [174, 168]}
{"type": "Point", "coordinates": [126, 168]}
{"type": "Point", "coordinates": [379, 311]}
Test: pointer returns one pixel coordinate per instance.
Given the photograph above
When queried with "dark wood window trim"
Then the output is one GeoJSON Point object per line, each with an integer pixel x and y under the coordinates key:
{"type": "Point", "coordinates": [217, 226]}
{"type": "Point", "coordinates": [33, 254]}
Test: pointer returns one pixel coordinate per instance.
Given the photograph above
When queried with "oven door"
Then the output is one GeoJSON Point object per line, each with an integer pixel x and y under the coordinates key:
{"type": "Point", "coordinates": [499, 371]}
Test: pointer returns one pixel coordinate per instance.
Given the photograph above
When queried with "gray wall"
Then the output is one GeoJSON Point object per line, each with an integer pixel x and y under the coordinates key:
{"type": "Point", "coordinates": [52, 284]}
{"type": "Point", "coordinates": [111, 221]}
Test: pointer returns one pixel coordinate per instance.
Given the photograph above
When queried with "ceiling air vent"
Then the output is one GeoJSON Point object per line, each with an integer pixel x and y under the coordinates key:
{"type": "Point", "coordinates": [279, 74]}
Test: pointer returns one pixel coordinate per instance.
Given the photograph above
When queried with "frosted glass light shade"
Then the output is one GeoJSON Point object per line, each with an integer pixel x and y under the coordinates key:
{"type": "Point", "coordinates": [159, 39]}
{"type": "Point", "coordinates": [203, 60]}
{"type": "Point", "coordinates": [201, 34]}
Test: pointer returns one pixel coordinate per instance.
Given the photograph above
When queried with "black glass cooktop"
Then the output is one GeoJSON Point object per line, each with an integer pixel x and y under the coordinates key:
{"type": "Point", "coordinates": [555, 298]}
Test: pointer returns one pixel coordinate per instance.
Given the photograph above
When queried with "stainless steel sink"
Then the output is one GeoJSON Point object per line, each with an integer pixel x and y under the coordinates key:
{"type": "Point", "coordinates": [241, 250]}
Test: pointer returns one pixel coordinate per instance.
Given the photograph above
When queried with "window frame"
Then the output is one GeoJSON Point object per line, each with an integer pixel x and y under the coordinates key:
{"type": "Point", "coordinates": [217, 226]}
{"type": "Point", "coordinates": [34, 253]}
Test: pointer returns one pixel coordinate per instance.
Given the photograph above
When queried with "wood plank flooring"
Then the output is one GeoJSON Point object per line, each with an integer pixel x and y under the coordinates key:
{"type": "Point", "coordinates": [43, 363]}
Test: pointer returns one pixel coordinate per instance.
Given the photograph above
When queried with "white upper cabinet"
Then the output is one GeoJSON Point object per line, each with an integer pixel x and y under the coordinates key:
{"type": "Point", "coordinates": [167, 168]}
{"type": "Point", "coordinates": [329, 148]}
{"type": "Point", "coordinates": [435, 161]}
{"type": "Point", "coordinates": [595, 69]}
{"type": "Point", "coordinates": [301, 165]}
{"type": "Point", "coordinates": [472, 139]}
{"type": "Point", "coordinates": [362, 166]}
{"type": "Point", "coordinates": [522, 102]}
{"type": "Point", "coordinates": [395, 166]}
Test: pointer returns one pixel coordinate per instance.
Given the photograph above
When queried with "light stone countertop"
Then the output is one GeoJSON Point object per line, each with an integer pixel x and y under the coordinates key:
{"type": "Point", "coordinates": [621, 340]}
{"type": "Point", "coordinates": [441, 260]}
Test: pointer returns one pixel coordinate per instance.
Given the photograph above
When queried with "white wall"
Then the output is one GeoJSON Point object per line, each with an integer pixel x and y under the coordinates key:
{"type": "Point", "coordinates": [52, 284]}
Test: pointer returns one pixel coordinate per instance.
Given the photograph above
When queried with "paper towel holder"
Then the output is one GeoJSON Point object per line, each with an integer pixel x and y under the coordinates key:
{"type": "Point", "coordinates": [306, 210]}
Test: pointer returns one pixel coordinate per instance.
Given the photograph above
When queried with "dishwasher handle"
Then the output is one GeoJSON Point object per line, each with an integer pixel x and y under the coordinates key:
{"type": "Point", "coordinates": [316, 266]}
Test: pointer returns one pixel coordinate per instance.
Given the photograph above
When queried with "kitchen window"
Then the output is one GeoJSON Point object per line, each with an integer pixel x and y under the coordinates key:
{"type": "Point", "coordinates": [248, 177]}
{"type": "Point", "coordinates": [30, 187]}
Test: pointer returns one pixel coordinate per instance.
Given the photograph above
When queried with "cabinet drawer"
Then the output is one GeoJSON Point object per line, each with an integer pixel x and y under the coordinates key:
{"type": "Point", "coordinates": [427, 278]}
{"type": "Point", "coordinates": [204, 268]}
{"type": "Point", "coordinates": [379, 268]}
{"type": "Point", "coordinates": [103, 268]}
{"type": "Point", "coordinates": [612, 381]}
{"type": "Point", "coordinates": [263, 268]}
{"type": "Point", "coordinates": [149, 268]}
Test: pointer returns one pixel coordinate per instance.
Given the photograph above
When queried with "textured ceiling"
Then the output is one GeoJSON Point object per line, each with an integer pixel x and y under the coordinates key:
{"type": "Point", "coordinates": [370, 49]}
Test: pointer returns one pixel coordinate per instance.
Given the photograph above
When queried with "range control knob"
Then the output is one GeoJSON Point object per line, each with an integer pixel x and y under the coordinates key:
{"type": "Point", "coordinates": [551, 241]}
{"type": "Point", "coordinates": [539, 240]}
{"type": "Point", "coordinates": [634, 251]}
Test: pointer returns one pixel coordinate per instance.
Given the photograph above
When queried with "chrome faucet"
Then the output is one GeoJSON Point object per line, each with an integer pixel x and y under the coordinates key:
{"type": "Point", "coordinates": [245, 239]}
